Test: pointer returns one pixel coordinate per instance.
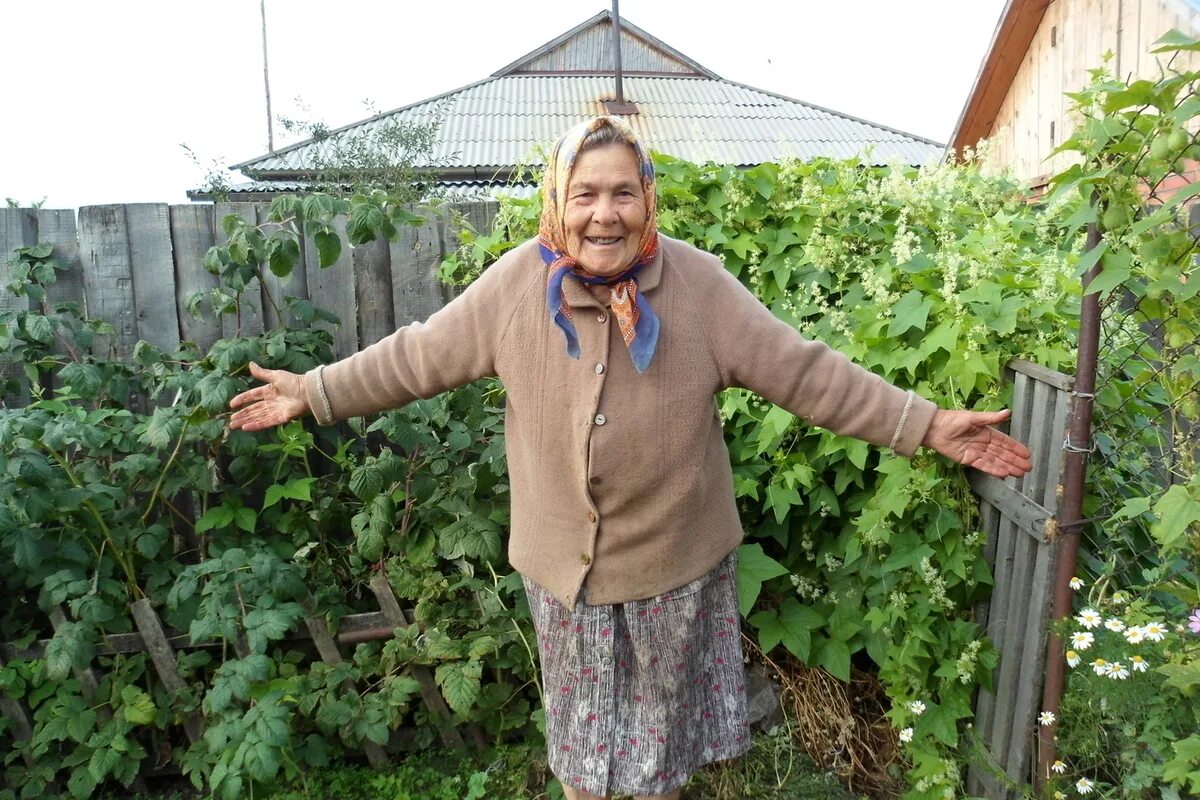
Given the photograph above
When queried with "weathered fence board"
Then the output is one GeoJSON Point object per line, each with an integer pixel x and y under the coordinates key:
{"type": "Point", "coordinates": [151, 264]}
{"type": "Point", "coordinates": [333, 288]}
{"type": "Point", "coordinates": [108, 277]}
{"type": "Point", "coordinates": [373, 287]}
{"type": "Point", "coordinates": [277, 289]}
{"type": "Point", "coordinates": [191, 237]}
{"type": "Point", "coordinates": [1019, 513]}
{"type": "Point", "coordinates": [18, 228]}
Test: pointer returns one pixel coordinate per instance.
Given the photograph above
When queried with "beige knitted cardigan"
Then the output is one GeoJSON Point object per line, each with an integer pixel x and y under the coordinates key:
{"type": "Point", "coordinates": [620, 482]}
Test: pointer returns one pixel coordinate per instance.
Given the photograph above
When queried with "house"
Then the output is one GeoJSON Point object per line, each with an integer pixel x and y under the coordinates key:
{"type": "Point", "coordinates": [490, 130]}
{"type": "Point", "coordinates": [1044, 48]}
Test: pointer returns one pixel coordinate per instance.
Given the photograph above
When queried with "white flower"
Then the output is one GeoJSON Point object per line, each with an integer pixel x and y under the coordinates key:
{"type": "Point", "coordinates": [1059, 796]}
{"type": "Point", "coordinates": [1072, 659]}
{"type": "Point", "coordinates": [1089, 618]}
{"type": "Point", "coordinates": [906, 735]}
{"type": "Point", "coordinates": [1100, 666]}
{"type": "Point", "coordinates": [1116, 671]}
{"type": "Point", "coordinates": [1082, 640]}
{"type": "Point", "coordinates": [1046, 718]}
{"type": "Point", "coordinates": [1058, 767]}
{"type": "Point", "coordinates": [916, 707]}
{"type": "Point", "coordinates": [1138, 663]}
{"type": "Point", "coordinates": [1076, 584]}
{"type": "Point", "coordinates": [1155, 631]}
{"type": "Point", "coordinates": [1084, 786]}
{"type": "Point", "coordinates": [1114, 624]}
{"type": "Point", "coordinates": [1120, 598]}
{"type": "Point", "coordinates": [1135, 634]}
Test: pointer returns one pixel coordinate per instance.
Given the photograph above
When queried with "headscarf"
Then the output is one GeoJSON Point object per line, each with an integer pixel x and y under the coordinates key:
{"type": "Point", "coordinates": [638, 322]}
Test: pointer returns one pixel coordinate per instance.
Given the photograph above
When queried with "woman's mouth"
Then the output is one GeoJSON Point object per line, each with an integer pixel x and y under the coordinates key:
{"type": "Point", "coordinates": [603, 240]}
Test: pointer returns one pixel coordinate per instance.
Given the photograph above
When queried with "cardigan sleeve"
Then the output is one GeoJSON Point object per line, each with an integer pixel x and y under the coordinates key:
{"type": "Point", "coordinates": [455, 346]}
{"type": "Point", "coordinates": [756, 350]}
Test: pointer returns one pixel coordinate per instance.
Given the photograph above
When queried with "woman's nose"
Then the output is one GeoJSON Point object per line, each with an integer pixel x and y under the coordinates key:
{"type": "Point", "coordinates": [605, 211]}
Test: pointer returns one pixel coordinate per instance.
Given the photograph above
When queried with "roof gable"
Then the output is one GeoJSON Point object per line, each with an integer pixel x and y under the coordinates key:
{"type": "Point", "coordinates": [588, 49]}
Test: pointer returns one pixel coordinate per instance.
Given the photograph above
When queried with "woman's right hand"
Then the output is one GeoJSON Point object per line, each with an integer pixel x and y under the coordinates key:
{"type": "Point", "coordinates": [280, 400]}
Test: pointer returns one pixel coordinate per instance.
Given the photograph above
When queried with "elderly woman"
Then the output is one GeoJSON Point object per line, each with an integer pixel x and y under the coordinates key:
{"type": "Point", "coordinates": [611, 340]}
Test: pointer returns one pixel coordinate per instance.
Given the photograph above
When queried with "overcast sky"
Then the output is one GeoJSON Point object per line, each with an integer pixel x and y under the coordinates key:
{"type": "Point", "coordinates": [99, 96]}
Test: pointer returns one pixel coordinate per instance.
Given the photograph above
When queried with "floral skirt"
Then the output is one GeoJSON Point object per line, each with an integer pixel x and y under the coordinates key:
{"type": "Point", "coordinates": [640, 695]}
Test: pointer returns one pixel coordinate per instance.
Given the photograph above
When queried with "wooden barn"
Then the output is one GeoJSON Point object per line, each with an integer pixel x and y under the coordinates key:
{"type": "Point", "coordinates": [1044, 48]}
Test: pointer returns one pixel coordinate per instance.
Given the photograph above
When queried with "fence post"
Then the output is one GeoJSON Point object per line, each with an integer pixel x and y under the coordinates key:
{"type": "Point", "coordinates": [1077, 446]}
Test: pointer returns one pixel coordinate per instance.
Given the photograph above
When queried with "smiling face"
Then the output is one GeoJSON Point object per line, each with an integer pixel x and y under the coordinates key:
{"type": "Point", "coordinates": [605, 211]}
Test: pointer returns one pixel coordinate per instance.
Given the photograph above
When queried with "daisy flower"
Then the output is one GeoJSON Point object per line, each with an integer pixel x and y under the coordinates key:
{"type": "Point", "coordinates": [1117, 671]}
{"type": "Point", "coordinates": [1138, 663]}
{"type": "Point", "coordinates": [1194, 621]}
{"type": "Point", "coordinates": [916, 707]}
{"type": "Point", "coordinates": [1154, 631]}
{"type": "Point", "coordinates": [1046, 718]}
{"type": "Point", "coordinates": [1058, 767]}
{"type": "Point", "coordinates": [1076, 584]}
{"type": "Point", "coordinates": [1072, 659]}
{"type": "Point", "coordinates": [1135, 634]}
{"type": "Point", "coordinates": [1115, 625]}
{"type": "Point", "coordinates": [1120, 598]}
{"type": "Point", "coordinates": [906, 735]}
{"type": "Point", "coordinates": [1089, 618]}
{"type": "Point", "coordinates": [1084, 786]}
{"type": "Point", "coordinates": [1099, 666]}
{"type": "Point", "coordinates": [1059, 796]}
{"type": "Point", "coordinates": [1082, 640]}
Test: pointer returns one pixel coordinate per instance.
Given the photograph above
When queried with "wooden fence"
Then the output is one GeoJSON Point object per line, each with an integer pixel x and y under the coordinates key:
{"type": "Point", "coordinates": [136, 266]}
{"type": "Point", "coordinates": [161, 644]}
{"type": "Point", "coordinates": [1018, 516]}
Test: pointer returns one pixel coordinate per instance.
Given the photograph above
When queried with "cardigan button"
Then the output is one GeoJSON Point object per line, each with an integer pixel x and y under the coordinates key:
{"type": "Point", "coordinates": [591, 516]}
{"type": "Point", "coordinates": [602, 317]}
{"type": "Point", "coordinates": [601, 419]}
{"type": "Point", "coordinates": [599, 368]}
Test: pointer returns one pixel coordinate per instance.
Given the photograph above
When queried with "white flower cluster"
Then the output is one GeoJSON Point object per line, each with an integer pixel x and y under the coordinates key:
{"type": "Point", "coordinates": [806, 589]}
{"type": "Point", "coordinates": [964, 665]}
{"type": "Point", "coordinates": [937, 585]}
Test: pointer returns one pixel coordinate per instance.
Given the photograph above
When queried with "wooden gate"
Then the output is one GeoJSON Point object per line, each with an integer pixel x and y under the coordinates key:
{"type": "Point", "coordinates": [1018, 516]}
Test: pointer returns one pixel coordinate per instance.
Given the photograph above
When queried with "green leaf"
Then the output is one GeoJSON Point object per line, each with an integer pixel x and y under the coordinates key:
{"type": "Point", "coordinates": [136, 706]}
{"type": "Point", "coordinates": [781, 498]}
{"type": "Point", "coordinates": [791, 625]}
{"type": "Point", "coordinates": [911, 312]}
{"type": "Point", "coordinates": [329, 248]}
{"type": "Point", "coordinates": [68, 649]}
{"type": "Point", "coordinates": [1175, 39]}
{"type": "Point", "coordinates": [215, 517]}
{"type": "Point", "coordinates": [1178, 510]}
{"type": "Point", "coordinates": [754, 566]}
{"type": "Point", "coordinates": [284, 257]}
{"type": "Point", "coordinates": [81, 784]}
{"type": "Point", "coordinates": [1114, 271]}
{"type": "Point", "coordinates": [296, 489]}
{"type": "Point", "coordinates": [460, 684]}
{"type": "Point", "coordinates": [101, 763]}
{"type": "Point", "coordinates": [835, 657]}
{"type": "Point", "coordinates": [39, 328]}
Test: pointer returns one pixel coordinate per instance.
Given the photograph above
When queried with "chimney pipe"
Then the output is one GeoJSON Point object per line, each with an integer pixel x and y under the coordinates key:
{"type": "Point", "coordinates": [619, 105]}
{"type": "Point", "coordinates": [616, 26]}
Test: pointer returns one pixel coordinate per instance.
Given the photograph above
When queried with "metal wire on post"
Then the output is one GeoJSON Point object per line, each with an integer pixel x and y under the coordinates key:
{"type": "Point", "coordinates": [1077, 446]}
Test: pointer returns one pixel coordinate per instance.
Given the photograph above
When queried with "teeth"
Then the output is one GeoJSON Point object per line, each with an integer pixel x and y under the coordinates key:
{"type": "Point", "coordinates": [598, 240]}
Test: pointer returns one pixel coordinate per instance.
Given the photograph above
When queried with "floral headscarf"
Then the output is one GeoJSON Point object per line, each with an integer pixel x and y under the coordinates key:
{"type": "Point", "coordinates": [638, 322]}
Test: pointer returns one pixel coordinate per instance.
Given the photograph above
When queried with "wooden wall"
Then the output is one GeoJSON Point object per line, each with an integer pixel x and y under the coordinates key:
{"type": "Point", "coordinates": [1035, 117]}
{"type": "Point", "coordinates": [137, 265]}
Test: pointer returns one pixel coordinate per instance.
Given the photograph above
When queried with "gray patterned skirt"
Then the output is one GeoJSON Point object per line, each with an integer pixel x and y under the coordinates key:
{"type": "Point", "coordinates": [640, 695]}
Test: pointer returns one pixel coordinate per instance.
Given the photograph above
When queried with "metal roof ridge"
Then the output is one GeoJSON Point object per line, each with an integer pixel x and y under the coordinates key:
{"type": "Point", "coordinates": [626, 26]}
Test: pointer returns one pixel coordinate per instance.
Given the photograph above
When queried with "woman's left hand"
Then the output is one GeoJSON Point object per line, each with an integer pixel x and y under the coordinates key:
{"type": "Point", "coordinates": [968, 438]}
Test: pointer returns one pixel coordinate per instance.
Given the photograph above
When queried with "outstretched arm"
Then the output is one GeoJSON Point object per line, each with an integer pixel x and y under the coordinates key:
{"type": "Point", "coordinates": [968, 438]}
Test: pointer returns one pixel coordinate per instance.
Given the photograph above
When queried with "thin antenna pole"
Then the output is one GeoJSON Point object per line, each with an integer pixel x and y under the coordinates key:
{"type": "Point", "coordinates": [262, 8]}
{"type": "Point", "coordinates": [616, 20]}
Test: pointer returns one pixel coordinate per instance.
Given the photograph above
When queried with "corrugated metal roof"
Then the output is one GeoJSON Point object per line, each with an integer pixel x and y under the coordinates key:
{"type": "Point", "coordinates": [453, 190]}
{"type": "Point", "coordinates": [501, 122]}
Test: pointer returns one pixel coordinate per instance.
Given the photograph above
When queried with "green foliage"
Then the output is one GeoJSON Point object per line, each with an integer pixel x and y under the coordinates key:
{"type": "Point", "coordinates": [122, 482]}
